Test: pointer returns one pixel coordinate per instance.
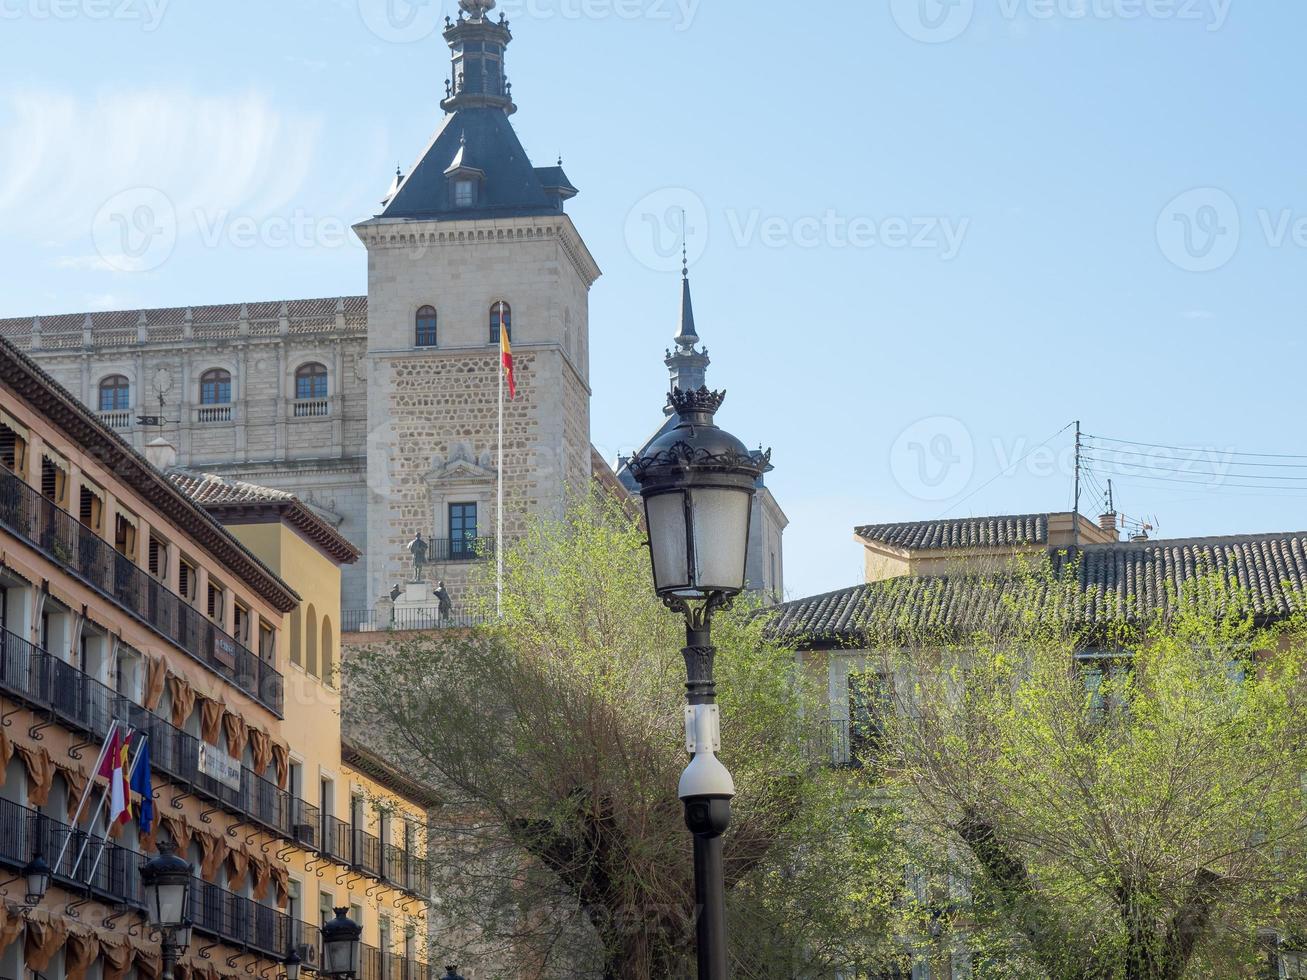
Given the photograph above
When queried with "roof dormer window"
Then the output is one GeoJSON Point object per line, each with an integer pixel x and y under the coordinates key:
{"type": "Point", "coordinates": [465, 193]}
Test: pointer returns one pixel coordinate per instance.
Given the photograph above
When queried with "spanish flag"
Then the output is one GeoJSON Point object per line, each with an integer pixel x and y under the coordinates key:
{"type": "Point", "coordinates": [506, 356]}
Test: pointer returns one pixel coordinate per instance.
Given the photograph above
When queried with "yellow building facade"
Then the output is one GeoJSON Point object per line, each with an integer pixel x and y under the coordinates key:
{"type": "Point", "coordinates": [369, 822]}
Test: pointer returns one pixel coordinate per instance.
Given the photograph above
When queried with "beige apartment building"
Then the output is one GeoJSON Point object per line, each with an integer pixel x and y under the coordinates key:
{"type": "Point", "coordinates": [126, 606]}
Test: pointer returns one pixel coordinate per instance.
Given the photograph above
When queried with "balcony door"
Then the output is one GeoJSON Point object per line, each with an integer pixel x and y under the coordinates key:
{"type": "Point", "coordinates": [462, 530]}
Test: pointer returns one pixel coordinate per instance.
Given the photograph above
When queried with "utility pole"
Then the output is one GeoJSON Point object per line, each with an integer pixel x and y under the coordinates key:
{"type": "Point", "coordinates": [1075, 513]}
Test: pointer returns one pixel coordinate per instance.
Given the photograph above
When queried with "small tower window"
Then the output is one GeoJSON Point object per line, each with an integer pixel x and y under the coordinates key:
{"type": "Point", "coordinates": [465, 193]}
{"type": "Point", "coordinates": [310, 382]}
{"type": "Point", "coordinates": [115, 394]}
{"type": "Point", "coordinates": [501, 314]}
{"type": "Point", "coordinates": [215, 387]}
{"type": "Point", "coordinates": [425, 332]}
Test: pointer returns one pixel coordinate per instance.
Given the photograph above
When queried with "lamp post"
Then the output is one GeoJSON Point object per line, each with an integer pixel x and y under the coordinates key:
{"type": "Point", "coordinates": [698, 483]}
{"type": "Point", "coordinates": [342, 947]}
{"type": "Point", "coordinates": [166, 879]}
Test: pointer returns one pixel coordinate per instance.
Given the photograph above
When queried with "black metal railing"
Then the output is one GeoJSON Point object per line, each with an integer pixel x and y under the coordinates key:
{"type": "Point", "coordinates": [379, 965]}
{"type": "Point", "coordinates": [373, 621]}
{"type": "Point", "coordinates": [37, 678]}
{"type": "Point", "coordinates": [82, 551]}
{"type": "Point", "coordinates": [112, 873]}
{"type": "Point", "coordinates": [466, 548]}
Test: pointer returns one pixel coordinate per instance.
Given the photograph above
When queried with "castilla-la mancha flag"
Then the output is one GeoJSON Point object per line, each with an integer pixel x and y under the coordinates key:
{"type": "Point", "coordinates": [506, 358]}
{"type": "Point", "coordinates": [114, 769]}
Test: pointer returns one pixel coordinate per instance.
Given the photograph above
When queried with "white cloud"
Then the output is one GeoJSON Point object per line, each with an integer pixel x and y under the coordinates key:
{"type": "Point", "coordinates": [62, 158]}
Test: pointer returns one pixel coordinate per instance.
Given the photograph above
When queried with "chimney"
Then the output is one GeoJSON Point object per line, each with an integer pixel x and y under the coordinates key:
{"type": "Point", "coordinates": [161, 453]}
{"type": "Point", "coordinates": [1107, 522]}
{"type": "Point", "coordinates": [1139, 537]}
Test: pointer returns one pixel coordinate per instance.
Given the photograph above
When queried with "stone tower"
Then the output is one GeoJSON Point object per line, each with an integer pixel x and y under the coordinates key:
{"type": "Point", "coordinates": [473, 240]}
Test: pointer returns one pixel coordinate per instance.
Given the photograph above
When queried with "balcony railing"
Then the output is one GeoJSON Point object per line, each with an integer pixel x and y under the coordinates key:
{"type": "Point", "coordinates": [311, 408]}
{"type": "Point", "coordinates": [117, 420]}
{"type": "Point", "coordinates": [371, 621]}
{"type": "Point", "coordinates": [79, 549]}
{"type": "Point", "coordinates": [81, 703]}
{"type": "Point", "coordinates": [467, 548]}
{"type": "Point", "coordinates": [211, 414]}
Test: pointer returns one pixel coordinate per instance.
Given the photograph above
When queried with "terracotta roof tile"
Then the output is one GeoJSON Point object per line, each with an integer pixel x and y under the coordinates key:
{"type": "Point", "coordinates": [965, 532]}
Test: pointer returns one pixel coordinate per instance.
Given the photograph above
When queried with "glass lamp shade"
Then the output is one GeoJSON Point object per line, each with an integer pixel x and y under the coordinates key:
{"type": "Point", "coordinates": [181, 937]}
{"type": "Point", "coordinates": [342, 949]}
{"type": "Point", "coordinates": [292, 963]}
{"type": "Point", "coordinates": [698, 484]}
{"type": "Point", "coordinates": [699, 539]}
{"type": "Point", "coordinates": [37, 874]}
{"type": "Point", "coordinates": [166, 879]}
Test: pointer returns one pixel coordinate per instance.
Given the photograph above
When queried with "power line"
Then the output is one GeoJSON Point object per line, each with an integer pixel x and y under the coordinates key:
{"type": "Point", "coordinates": [1186, 449]}
{"type": "Point", "coordinates": [1005, 470]}
{"type": "Point", "coordinates": [1194, 454]}
{"type": "Point", "coordinates": [1218, 484]}
{"type": "Point", "coordinates": [1179, 469]}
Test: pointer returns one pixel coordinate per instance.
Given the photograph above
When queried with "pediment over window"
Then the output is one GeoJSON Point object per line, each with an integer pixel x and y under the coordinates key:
{"type": "Point", "coordinates": [462, 466]}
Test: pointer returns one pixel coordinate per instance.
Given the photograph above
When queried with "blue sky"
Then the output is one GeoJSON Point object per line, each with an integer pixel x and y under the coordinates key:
{"type": "Point", "coordinates": [926, 235]}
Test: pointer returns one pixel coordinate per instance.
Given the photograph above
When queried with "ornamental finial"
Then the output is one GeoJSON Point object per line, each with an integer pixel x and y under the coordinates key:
{"type": "Point", "coordinates": [477, 9]}
{"type": "Point", "coordinates": [694, 402]}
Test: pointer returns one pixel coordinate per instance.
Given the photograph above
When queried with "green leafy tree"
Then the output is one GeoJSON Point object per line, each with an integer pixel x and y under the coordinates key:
{"type": "Point", "coordinates": [557, 739]}
{"type": "Point", "coordinates": [1126, 799]}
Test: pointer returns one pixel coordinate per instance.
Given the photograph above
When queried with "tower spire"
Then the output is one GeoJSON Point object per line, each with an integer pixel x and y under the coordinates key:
{"type": "Point", "coordinates": [687, 363]}
{"type": "Point", "coordinates": [686, 336]}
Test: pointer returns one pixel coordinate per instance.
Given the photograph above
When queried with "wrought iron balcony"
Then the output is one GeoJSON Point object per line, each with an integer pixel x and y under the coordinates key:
{"type": "Point", "coordinates": [80, 703]}
{"type": "Point", "coordinates": [371, 621]}
{"type": "Point", "coordinates": [83, 553]}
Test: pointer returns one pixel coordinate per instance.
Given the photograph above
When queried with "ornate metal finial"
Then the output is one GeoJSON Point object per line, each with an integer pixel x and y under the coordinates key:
{"type": "Point", "coordinates": [477, 9]}
{"type": "Point", "coordinates": [700, 401]}
{"type": "Point", "coordinates": [685, 249]}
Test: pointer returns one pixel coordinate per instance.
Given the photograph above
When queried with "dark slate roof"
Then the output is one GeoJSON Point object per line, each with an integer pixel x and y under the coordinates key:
{"type": "Point", "coordinates": [1111, 583]}
{"type": "Point", "coordinates": [963, 532]}
{"type": "Point", "coordinates": [512, 187]}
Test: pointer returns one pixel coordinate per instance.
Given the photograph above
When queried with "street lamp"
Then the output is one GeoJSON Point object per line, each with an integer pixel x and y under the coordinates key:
{"type": "Point", "coordinates": [342, 949]}
{"type": "Point", "coordinates": [37, 873]}
{"type": "Point", "coordinates": [292, 964]}
{"type": "Point", "coordinates": [166, 879]}
{"type": "Point", "coordinates": [698, 483]}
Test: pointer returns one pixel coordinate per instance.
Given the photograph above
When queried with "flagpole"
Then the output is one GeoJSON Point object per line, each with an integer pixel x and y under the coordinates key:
{"type": "Point", "coordinates": [499, 487]}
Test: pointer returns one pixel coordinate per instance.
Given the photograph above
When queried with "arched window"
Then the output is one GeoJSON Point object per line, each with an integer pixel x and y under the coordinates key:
{"type": "Point", "coordinates": [215, 387]}
{"type": "Point", "coordinates": [311, 641]}
{"type": "Point", "coordinates": [328, 655]}
{"type": "Point", "coordinates": [425, 330]}
{"type": "Point", "coordinates": [310, 382]}
{"type": "Point", "coordinates": [115, 394]}
{"type": "Point", "coordinates": [296, 650]}
{"type": "Point", "coordinates": [500, 314]}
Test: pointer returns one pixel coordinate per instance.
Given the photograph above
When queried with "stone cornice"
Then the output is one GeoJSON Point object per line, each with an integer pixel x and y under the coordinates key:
{"type": "Point", "coordinates": [416, 233]}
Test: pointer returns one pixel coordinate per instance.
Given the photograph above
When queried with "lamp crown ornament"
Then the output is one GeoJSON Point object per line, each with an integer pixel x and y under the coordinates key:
{"type": "Point", "coordinates": [697, 401]}
{"type": "Point", "coordinates": [476, 9]}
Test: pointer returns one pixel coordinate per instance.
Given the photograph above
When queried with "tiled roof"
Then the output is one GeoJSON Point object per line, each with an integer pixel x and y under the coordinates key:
{"type": "Point", "coordinates": [208, 489]}
{"type": "Point", "coordinates": [234, 500]}
{"type": "Point", "coordinates": [964, 532]}
{"type": "Point", "coordinates": [1112, 582]}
